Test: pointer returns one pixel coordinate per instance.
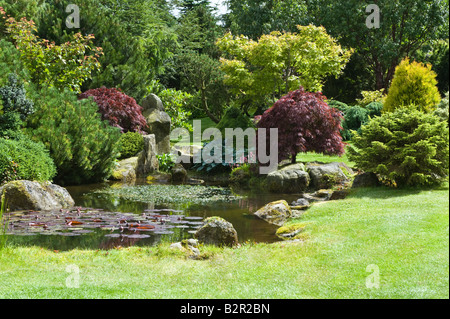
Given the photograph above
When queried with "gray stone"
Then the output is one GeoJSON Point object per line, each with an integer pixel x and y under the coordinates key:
{"type": "Point", "coordinates": [29, 195]}
{"type": "Point", "coordinates": [125, 170]}
{"type": "Point", "coordinates": [159, 124]}
{"type": "Point", "coordinates": [366, 180]}
{"type": "Point", "coordinates": [150, 103]}
{"type": "Point", "coordinates": [290, 179]}
{"type": "Point", "coordinates": [147, 162]}
{"type": "Point", "coordinates": [217, 231]}
{"type": "Point", "coordinates": [301, 202]}
{"type": "Point", "coordinates": [179, 174]}
{"type": "Point", "coordinates": [327, 175]}
{"type": "Point", "coordinates": [275, 212]}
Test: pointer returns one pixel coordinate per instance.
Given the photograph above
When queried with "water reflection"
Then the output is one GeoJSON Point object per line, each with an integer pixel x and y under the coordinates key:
{"type": "Point", "coordinates": [238, 212]}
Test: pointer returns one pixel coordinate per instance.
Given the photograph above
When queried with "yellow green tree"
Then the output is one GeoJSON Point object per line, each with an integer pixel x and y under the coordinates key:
{"type": "Point", "coordinates": [262, 71]}
{"type": "Point", "coordinates": [413, 84]}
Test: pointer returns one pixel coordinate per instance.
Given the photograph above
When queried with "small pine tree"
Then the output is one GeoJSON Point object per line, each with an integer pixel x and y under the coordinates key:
{"type": "Point", "coordinates": [406, 148]}
{"type": "Point", "coordinates": [413, 84]}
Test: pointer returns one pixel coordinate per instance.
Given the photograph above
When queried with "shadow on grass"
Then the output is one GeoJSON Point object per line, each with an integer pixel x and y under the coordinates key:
{"type": "Point", "coordinates": [389, 192]}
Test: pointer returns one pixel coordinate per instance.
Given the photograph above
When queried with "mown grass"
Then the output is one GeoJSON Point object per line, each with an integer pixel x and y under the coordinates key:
{"type": "Point", "coordinates": [405, 233]}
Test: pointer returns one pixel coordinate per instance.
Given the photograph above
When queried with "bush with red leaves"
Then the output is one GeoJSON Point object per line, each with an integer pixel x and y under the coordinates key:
{"type": "Point", "coordinates": [118, 108]}
{"type": "Point", "coordinates": [305, 123]}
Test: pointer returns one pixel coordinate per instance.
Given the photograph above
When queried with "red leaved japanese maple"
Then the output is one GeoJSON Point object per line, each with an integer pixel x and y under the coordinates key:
{"type": "Point", "coordinates": [305, 123]}
{"type": "Point", "coordinates": [119, 109]}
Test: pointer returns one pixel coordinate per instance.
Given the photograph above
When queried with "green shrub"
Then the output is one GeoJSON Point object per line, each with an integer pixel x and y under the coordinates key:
{"type": "Point", "coordinates": [374, 108]}
{"type": "Point", "coordinates": [10, 123]}
{"type": "Point", "coordinates": [369, 97]}
{"type": "Point", "coordinates": [177, 105]}
{"type": "Point", "coordinates": [14, 99]}
{"type": "Point", "coordinates": [24, 159]}
{"type": "Point", "coordinates": [130, 144]}
{"type": "Point", "coordinates": [82, 146]}
{"type": "Point", "coordinates": [166, 162]}
{"type": "Point", "coordinates": [442, 109]}
{"type": "Point", "coordinates": [413, 84]}
{"type": "Point", "coordinates": [233, 118]}
{"type": "Point", "coordinates": [354, 118]}
{"type": "Point", "coordinates": [341, 106]}
{"type": "Point", "coordinates": [10, 62]}
{"type": "Point", "coordinates": [405, 147]}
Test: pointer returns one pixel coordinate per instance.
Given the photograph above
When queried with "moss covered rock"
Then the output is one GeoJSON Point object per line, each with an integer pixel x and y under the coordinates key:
{"type": "Point", "coordinates": [275, 213]}
{"type": "Point", "coordinates": [28, 195]}
{"type": "Point", "coordinates": [293, 231]}
{"type": "Point", "coordinates": [217, 231]}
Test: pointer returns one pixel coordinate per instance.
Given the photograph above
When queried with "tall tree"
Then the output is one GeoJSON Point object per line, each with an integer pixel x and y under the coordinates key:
{"type": "Point", "coordinates": [135, 35]}
{"type": "Point", "coordinates": [253, 18]}
{"type": "Point", "coordinates": [405, 25]}
{"type": "Point", "coordinates": [277, 63]}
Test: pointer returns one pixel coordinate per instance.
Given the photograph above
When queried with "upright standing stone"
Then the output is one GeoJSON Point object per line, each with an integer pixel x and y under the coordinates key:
{"type": "Point", "coordinates": [158, 122]}
{"type": "Point", "coordinates": [147, 161]}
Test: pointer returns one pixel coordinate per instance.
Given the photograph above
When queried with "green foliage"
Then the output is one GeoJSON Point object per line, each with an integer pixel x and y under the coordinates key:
{"type": "Point", "coordinates": [82, 146]}
{"type": "Point", "coordinates": [405, 147]}
{"type": "Point", "coordinates": [436, 53]}
{"type": "Point", "coordinates": [10, 62]}
{"type": "Point", "coordinates": [253, 18]}
{"type": "Point", "coordinates": [354, 118]}
{"type": "Point", "coordinates": [234, 118]}
{"type": "Point", "coordinates": [280, 62]}
{"type": "Point", "coordinates": [374, 108]}
{"type": "Point", "coordinates": [370, 97]}
{"type": "Point", "coordinates": [130, 144]}
{"type": "Point", "coordinates": [201, 75]}
{"type": "Point", "coordinates": [166, 162]}
{"type": "Point", "coordinates": [442, 109]}
{"type": "Point", "coordinates": [62, 66]}
{"type": "Point", "coordinates": [14, 98]}
{"type": "Point", "coordinates": [405, 26]}
{"type": "Point", "coordinates": [341, 106]}
{"type": "Point", "coordinates": [137, 38]}
{"type": "Point", "coordinates": [178, 105]}
{"type": "Point", "coordinates": [10, 124]}
{"type": "Point", "coordinates": [24, 159]}
{"type": "Point", "coordinates": [413, 83]}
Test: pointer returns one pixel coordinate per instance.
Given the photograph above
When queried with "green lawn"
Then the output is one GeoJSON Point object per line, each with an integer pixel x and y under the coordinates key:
{"type": "Point", "coordinates": [404, 234]}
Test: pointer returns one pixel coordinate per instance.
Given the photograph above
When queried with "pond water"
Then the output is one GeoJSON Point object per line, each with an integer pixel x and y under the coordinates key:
{"type": "Point", "coordinates": [104, 220]}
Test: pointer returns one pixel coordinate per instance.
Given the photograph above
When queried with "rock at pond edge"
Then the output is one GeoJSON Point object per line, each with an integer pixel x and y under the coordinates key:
{"type": "Point", "coordinates": [30, 195]}
{"type": "Point", "coordinates": [217, 231]}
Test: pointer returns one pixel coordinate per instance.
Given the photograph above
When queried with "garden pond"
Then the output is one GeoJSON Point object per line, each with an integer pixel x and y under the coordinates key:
{"type": "Point", "coordinates": [112, 215]}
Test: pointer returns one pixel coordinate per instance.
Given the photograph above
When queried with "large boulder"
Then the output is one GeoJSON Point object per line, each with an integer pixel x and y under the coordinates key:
{"type": "Point", "coordinates": [328, 175]}
{"type": "Point", "coordinates": [275, 213]}
{"type": "Point", "coordinates": [29, 195]}
{"type": "Point", "coordinates": [147, 162]}
{"type": "Point", "coordinates": [217, 231]}
{"type": "Point", "coordinates": [289, 179]}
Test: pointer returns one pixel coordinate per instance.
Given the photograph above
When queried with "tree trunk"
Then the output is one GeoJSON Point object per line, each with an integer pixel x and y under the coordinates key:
{"type": "Point", "coordinates": [294, 159]}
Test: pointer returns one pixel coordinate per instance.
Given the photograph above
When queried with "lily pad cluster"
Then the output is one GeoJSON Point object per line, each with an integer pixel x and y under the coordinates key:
{"type": "Point", "coordinates": [79, 221]}
{"type": "Point", "coordinates": [168, 194]}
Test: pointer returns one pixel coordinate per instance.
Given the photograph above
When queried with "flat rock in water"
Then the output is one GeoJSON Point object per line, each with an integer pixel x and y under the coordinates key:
{"type": "Point", "coordinates": [275, 213]}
